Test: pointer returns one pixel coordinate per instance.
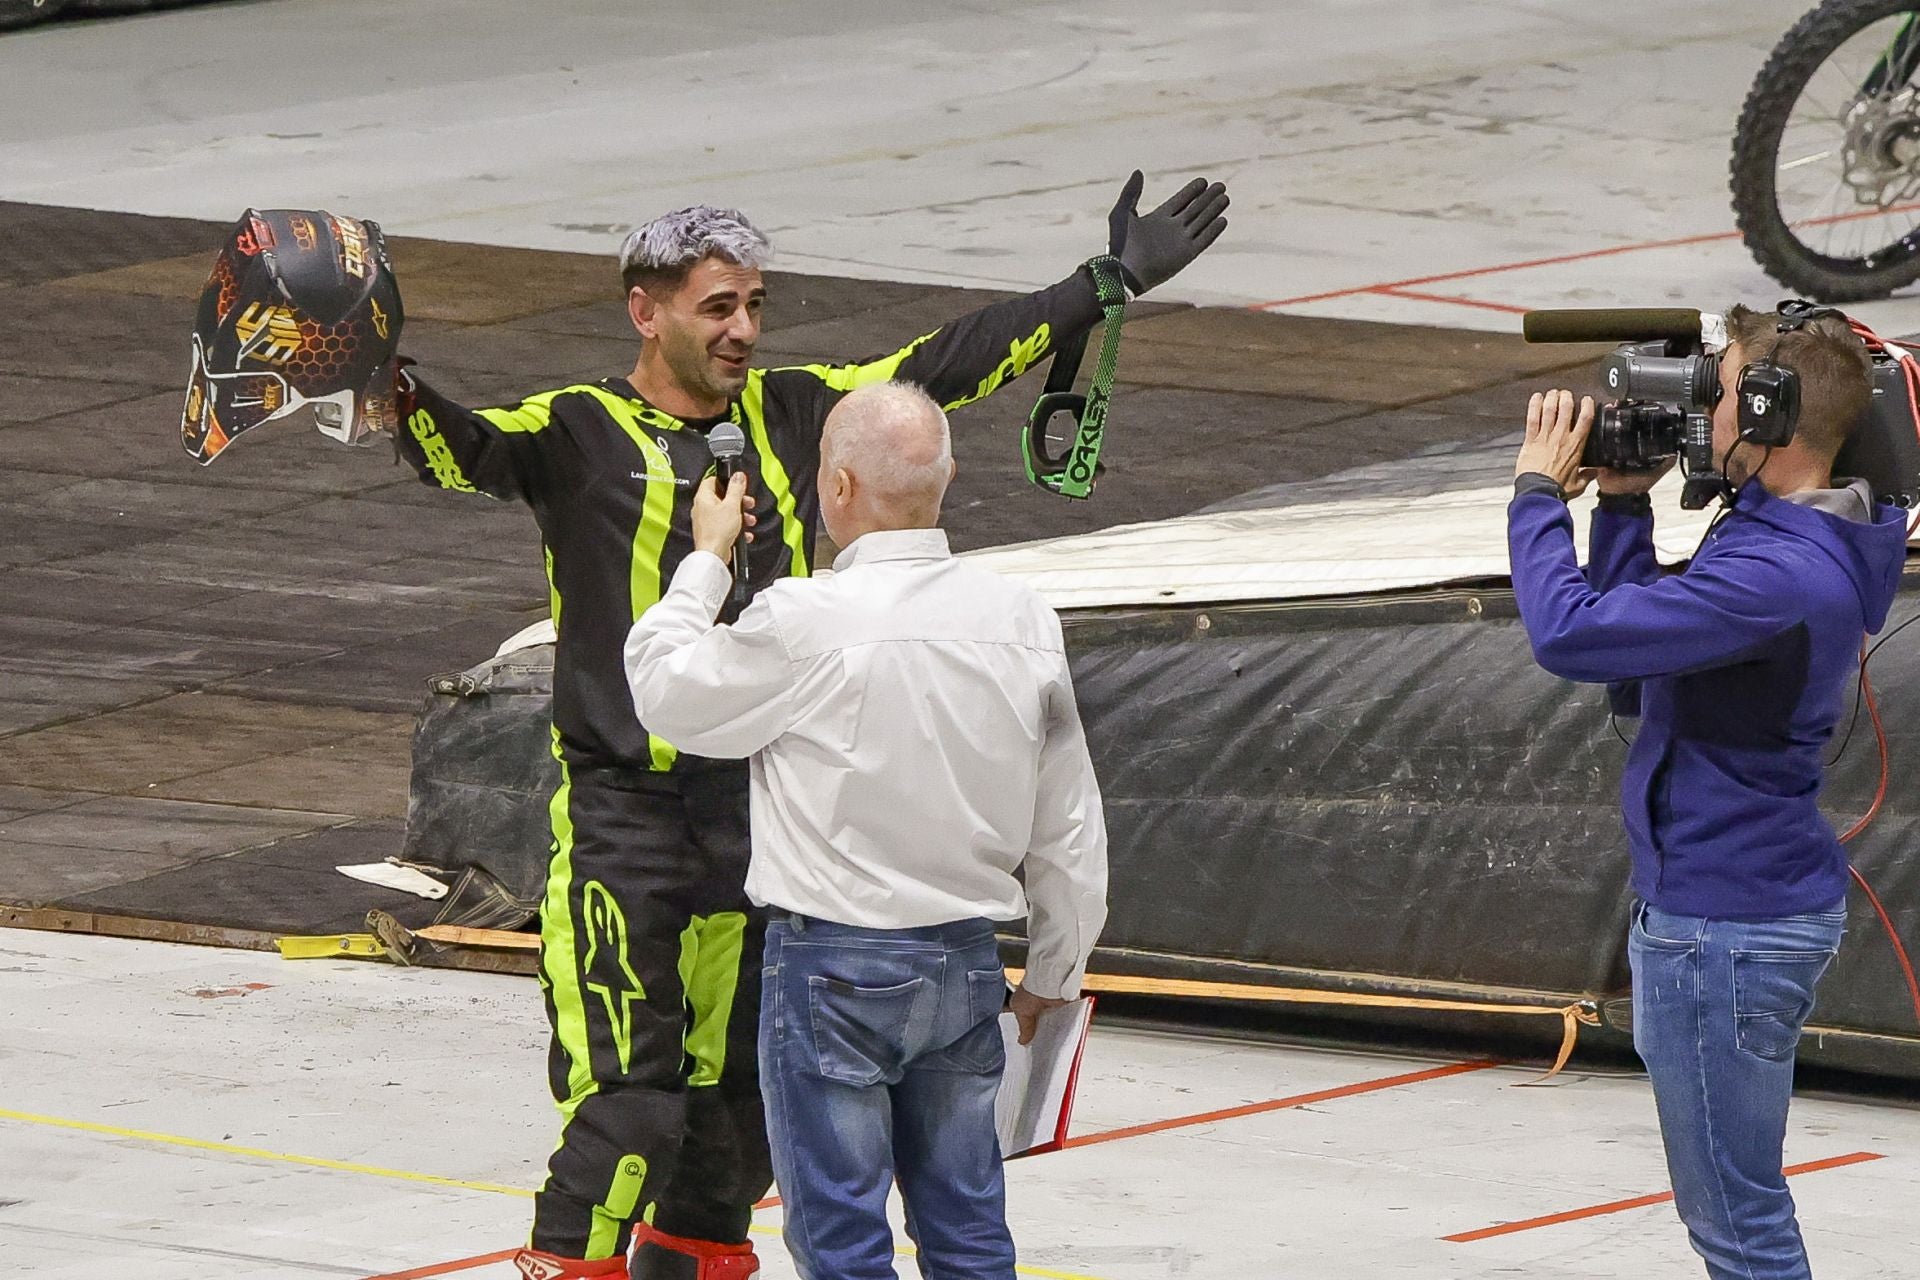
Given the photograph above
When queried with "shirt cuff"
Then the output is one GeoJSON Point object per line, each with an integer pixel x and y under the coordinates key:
{"type": "Point", "coordinates": [1534, 482]}
{"type": "Point", "coordinates": [1053, 986]}
{"type": "Point", "coordinates": [707, 577]}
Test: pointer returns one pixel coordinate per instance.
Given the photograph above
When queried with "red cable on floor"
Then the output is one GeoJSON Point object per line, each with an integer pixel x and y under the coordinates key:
{"type": "Point", "coordinates": [1879, 797]}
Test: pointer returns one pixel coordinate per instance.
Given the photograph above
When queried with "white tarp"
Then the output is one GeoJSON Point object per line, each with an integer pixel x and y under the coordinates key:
{"type": "Point", "coordinates": [1338, 547]}
{"type": "Point", "coordinates": [1312, 549]}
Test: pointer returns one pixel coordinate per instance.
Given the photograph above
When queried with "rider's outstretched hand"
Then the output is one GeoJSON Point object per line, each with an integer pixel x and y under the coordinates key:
{"type": "Point", "coordinates": [1155, 247]}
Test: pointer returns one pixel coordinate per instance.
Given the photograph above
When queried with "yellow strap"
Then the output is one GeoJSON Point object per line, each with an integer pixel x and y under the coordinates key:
{"type": "Point", "coordinates": [319, 948]}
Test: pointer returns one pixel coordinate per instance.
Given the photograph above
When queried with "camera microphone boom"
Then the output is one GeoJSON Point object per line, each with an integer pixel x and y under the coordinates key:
{"type": "Point", "coordinates": [1662, 385]}
{"type": "Point", "coordinates": [1613, 324]}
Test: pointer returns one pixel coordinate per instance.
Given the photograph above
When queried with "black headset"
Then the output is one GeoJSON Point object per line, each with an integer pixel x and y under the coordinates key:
{"type": "Point", "coordinates": [1769, 393]}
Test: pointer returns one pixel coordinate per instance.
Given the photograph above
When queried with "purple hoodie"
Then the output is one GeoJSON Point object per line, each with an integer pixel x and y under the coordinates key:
{"type": "Point", "coordinates": [1743, 665]}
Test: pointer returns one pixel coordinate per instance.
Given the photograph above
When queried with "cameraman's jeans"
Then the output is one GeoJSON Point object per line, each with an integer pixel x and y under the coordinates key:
{"type": "Point", "coordinates": [880, 1058]}
{"type": "Point", "coordinates": [1717, 1010]}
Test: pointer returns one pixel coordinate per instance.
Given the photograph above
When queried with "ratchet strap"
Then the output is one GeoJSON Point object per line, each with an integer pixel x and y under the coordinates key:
{"type": "Point", "coordinates": [1573, 1016]}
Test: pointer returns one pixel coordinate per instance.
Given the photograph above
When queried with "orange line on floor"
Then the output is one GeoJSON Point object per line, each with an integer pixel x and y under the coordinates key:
{"type": "Point", "coordinates": [1558, 259]}
{"type": "Point", "coordinates": [484, 1259]}
{"type": "Point", "coordinates": [1641, 1202]}
{"type": "Point", "coordinates": [1085, 1140]}
{"type": "Point", "coordinates": [1281, 1104]}
{"type": "Point", "coordinates": [447, 1268]}
{"type": "Point", "coordinates": [1451, 300]}
{"type": "Point", "coordinates": [1469, 274]}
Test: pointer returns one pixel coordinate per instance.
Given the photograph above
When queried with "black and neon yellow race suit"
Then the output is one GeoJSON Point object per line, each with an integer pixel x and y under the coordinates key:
{"type": "Point", "coordinates": [651, 952]}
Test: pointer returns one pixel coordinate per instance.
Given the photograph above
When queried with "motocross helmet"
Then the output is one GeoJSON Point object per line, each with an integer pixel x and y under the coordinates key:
{"type": "Point", "coordinates": [301, 312]}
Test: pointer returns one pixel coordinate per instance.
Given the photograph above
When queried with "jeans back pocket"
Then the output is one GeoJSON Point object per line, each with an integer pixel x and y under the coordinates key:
{"type": "Point", "coordinates": [859, 1033]}
{"type": "Point", "coordinates": [1773, 997]}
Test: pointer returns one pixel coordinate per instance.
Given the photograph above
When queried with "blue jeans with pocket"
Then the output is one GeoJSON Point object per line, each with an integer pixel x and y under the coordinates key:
{"type": "Point", "coordinates": [1717, 1010]}
{"type": "Point", "coordinates": [880, 1059]}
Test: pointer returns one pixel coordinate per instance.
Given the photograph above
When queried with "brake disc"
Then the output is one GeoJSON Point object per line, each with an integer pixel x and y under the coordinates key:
{"type": "Point", "coordinates": [1881, 154]}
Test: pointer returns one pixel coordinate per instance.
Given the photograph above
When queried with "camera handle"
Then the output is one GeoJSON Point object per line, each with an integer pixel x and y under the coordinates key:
{"type": "Point", "coordinates": [1705, 481]}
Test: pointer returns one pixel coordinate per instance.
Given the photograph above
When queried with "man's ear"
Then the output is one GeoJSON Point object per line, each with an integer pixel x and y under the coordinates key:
{"type": "Point", "coordinates": [641, 309]}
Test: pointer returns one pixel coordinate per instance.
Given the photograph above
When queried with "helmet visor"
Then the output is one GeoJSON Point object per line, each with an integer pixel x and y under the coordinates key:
{"type": "Point", "coordinates": [219, 406]}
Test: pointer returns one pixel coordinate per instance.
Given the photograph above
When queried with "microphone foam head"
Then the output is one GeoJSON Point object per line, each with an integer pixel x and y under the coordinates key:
{"type": "Point", "coordinates": [726, 440]}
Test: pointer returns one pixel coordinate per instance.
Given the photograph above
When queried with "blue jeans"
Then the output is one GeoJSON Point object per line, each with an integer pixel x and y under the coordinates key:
{"type": "Point", "coordinates": [880, 1058]}
{"type": "Point", "coordinates": [1717, 1010]}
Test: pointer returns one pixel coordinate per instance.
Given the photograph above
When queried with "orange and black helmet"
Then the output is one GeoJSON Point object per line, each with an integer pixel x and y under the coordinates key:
{"type": "Point", "coordinates": [301, 312]}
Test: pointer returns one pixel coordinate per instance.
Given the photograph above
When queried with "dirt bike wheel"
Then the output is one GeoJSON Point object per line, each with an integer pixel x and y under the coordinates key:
{"type": "Point", "coordinates": [1842, 249]}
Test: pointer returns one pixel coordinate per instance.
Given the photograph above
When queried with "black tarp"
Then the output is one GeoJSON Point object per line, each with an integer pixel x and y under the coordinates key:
{"type": "Point", "coordinates": [484, 771]}
{"type": "Point", "coordinates": [1381, 788]}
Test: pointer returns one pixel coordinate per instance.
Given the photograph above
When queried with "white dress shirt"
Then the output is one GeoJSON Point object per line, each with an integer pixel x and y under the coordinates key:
{"type": "Point", "coordinates": [914, 740]}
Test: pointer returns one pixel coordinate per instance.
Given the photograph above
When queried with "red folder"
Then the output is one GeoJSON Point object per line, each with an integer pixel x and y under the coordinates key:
{"type": "Point", "coordinates": [1037, 1089]}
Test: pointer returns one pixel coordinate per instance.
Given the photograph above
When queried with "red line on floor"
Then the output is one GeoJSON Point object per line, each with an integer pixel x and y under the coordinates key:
{"type": "Point", "coordinates": [1641, 1202]}
{"type": "Point", "coordinates": [484, 1259]}
{"type": "Point", "coordinates": [1469, 274]}
{"type": "Point", "coordinates": [1450, 299]}
{"type": "Point", "coordinates": [447, 1268]}
{"type": "Point", "coordinates": [1282, 1104]}
{"type": "Point", "coordinates": [1558, 259]}
{"type": "Point", "coordinates": [1086, 1140]}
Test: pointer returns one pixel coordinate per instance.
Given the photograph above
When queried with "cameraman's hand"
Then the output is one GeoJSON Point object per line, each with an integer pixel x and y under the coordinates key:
{"type": "Point", "coordinates": [1625, 482]}
{"type": "Point", "coordinates": [1555, 438]}
{"type": "Point", "coordinates": [718, 517]}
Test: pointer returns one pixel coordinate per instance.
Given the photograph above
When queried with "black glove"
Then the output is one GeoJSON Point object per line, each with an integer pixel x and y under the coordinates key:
{"type": "Point", "coordinates": [1155, 247]}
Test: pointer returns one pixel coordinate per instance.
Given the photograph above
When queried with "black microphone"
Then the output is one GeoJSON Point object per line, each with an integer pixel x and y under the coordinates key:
{"type": "Point", "coordinates": [727, 442]}
{"type": "Point", "coordinates": [1612, 324]}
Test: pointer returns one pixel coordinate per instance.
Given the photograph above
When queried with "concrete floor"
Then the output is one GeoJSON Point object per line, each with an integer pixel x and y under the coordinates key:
{"type": "Point", "coordinates": [225, 1113]}
{"type": "Point", "coordinates": [1367, 142]}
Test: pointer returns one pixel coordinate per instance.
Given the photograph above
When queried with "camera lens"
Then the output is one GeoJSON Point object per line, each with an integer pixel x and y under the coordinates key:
{"type": "Point", "coordinates": [1691, 382]}
{"type": "Point", "coordinates": [1634, 436]}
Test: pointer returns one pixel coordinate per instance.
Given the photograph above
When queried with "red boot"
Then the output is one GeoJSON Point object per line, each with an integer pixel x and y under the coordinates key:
{"type": "Point", "coordinates": [715, 1261]}
{"type": "Point", "coordinates": [535, 1265]}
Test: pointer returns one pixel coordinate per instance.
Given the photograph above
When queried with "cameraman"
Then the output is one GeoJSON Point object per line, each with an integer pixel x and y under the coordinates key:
{"type": "Point", "coordinates": [1738, 668]}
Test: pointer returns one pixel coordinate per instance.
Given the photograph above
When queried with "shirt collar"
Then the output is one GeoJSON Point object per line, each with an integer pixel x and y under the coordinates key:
{"type": "Point", "coordinates": [623, 387]}
{"type": "Point", "coordinates": [893, 544]}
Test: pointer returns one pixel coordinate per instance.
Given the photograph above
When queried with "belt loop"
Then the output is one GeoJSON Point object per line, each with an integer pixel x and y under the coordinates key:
{"type": "Point", "coordinates": [796, 922]}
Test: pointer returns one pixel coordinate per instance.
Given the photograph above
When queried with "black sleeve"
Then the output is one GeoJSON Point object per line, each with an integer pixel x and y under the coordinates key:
{"type": "Point", "coordinates": [499, 452]}
{"type": "Point", "coordinates": [971, 357]}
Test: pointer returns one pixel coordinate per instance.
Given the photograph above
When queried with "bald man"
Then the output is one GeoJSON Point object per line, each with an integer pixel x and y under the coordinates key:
{"type": "Point", "coordinates": [914, 744]}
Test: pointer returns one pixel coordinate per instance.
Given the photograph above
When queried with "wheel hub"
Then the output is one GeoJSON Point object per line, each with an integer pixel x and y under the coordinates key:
{"type": "Point", "coordinates": [1881, 154]}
